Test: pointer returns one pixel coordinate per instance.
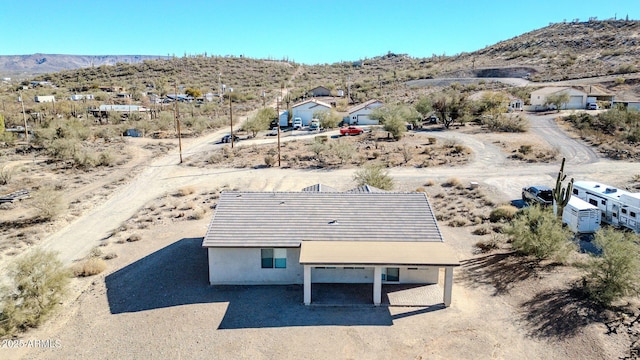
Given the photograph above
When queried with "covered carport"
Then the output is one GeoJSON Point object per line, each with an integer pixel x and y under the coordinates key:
{"type": "Point", "coordinates": [377, 255]}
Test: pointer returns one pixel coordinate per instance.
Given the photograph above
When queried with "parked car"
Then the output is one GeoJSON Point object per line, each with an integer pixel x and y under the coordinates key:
{"type": "Point", "coordinates": [351, 130]}
{"type": "Point", "coordinates": [227, 138]}
{"type": "Point", "coordinates": [314, 125]}
{"type": "Point", "coordinates": [593, 106]}
{"type": "Point", "coordinates": [273, 132]}
{"type": "Point", "coordinates": [297, 123]}
{"type": "Point", "coordinates": [542, 195]}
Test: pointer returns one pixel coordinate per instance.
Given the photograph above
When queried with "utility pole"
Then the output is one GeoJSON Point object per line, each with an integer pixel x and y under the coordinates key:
{"type": "Point", "coordinates": [24, 117]}
{"type": "Point", "coordinates": [278, 122]}
{"type": "Point", "coordinates": [177, 116]}
{"type": "Point", "coordinates": [231, 116]}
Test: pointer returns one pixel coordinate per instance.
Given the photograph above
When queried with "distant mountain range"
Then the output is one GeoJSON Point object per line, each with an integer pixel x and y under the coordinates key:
{"type": "Point", "coordinates": [24, 66]}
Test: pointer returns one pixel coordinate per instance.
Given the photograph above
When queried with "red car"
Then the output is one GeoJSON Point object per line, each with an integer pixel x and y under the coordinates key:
{"type": "Point", "coordinates": [351, 130]}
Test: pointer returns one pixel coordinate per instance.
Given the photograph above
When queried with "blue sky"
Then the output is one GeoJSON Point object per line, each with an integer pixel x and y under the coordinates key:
{"type": "Point", "coordinates": [304, 31]}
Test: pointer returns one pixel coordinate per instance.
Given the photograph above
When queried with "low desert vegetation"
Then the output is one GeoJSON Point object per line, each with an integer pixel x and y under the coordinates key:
{"type": "Point", "coordinates": [538, 232]}
{"type": "Point", "coordinates": [48, 202]}
{"type": "Point", "coordinates": [616, 132]}
{"type": "Point", "coordinates": [374, 175]}
{"type": "Point", "coordinates": [503, 213]}
{"type": "Point", "coordinates": [89, 267]}
{"type": "Point", "coordinates": [616, 272]}
{"type": "Point", "coordinates": [37, 285]}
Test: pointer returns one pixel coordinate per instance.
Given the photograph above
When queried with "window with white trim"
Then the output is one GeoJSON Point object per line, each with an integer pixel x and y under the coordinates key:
{"type": "Point", "coordinates": [273, 258]}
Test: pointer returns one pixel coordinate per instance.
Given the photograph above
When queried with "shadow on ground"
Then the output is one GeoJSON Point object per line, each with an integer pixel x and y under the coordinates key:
{"type": "Point", "coordinates": [501, 270]}
{"type": "Point", "coordinates": [177, 275]}
{"type": "Point", "coordinates": [559, 313]}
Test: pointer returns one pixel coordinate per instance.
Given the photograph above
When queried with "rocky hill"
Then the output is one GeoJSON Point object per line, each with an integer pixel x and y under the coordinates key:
{"type": "Point", "coordinates": [27, 65]}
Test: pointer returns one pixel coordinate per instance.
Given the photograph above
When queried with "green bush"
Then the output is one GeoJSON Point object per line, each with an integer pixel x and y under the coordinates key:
{"type": "Point", "coordinates": [37, 284]}
{"type": "Point", "coordinates": [616, 272]}
{"type": "Point", "coordinates": [374, 175]}
{"type": "Point", "coordinates": [48, 202]}
{"type": "Point", "coordinates": [536, 231]}
{"type": "Point", "coordinates": [503, 213]}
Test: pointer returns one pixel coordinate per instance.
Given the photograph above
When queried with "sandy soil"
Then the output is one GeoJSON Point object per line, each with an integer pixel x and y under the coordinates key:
{"type": "Point", "coordinates": [154, 301]}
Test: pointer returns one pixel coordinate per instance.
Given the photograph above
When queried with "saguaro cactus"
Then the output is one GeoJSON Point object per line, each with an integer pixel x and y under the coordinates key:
{"type": "Point", "coordinates": [561, 195]}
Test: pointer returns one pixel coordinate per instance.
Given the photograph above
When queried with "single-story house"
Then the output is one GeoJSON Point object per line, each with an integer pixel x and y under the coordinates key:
{"type": "Point", "coordinates": [78, 97]}
{"type": "Point", "coordinates": [359, 114]}
{"type": "Point", "coordinates": [319, 91]}
{"type": "Point", "coordinates": [44, 98]}
{"type": "Point", "coordinates": [307, 108]}
{"type": "Point", "coordinates": [577, 98]}
{"type": "Point", "coordinates": [320, 235]}
{"type": "Point", "coordinates": [629, 104]}
{"type": "Point", "coordinates": [104, 110]}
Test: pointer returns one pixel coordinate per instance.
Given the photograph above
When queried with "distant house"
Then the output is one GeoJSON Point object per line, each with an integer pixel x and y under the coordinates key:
{"type": "Point", "coordinates": [104, 110]}
{"type": "Point", "coordinates": [515, 104]}
{"type": "Point", "coordinates": [577, 98]}
{"type": "Point", "coordinates": [179, 97]}
{"type": "Point", "coordinates": [44, 98]}
{"type": "Point", "coordinates": [306, 109]}
{"type": "Point", "coordinates": [78, 97]}
{"type": "Point", "coordinates": [359, 114]}
{"type": "Point", "coordinates": [319, 91]}
{"type": "Point", "coordinates": [320, 235]}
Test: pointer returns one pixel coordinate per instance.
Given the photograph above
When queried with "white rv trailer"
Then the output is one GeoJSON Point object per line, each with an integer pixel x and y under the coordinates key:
{"type": "Point", "coordinates": [580, 216]}
{"type": "Point", "coordinates": [618, 207]}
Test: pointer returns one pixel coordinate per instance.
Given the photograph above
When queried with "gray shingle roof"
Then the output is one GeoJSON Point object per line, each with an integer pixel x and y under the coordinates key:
{"type": "Point", "coordinates": [284, 219]}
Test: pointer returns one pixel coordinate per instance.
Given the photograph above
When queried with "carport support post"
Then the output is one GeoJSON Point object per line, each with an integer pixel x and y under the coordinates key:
{"type": "Point", "coordinates": [307, 284]}
{"type": "Point", "coordinates": [448, 285]}
{"type": "Point", "coordinates": [377, 285]}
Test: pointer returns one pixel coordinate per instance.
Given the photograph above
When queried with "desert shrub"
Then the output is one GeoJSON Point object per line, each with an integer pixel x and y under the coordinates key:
{"type": "Point", "coordinates": [63, 149]}
{"type": "Point", "coordinates": [343, 150]}
{"type": "Point", "coordinates": [485, 246]}
{"type": "Point", "coordinates": [482, 230]}
{"type": "Point", "coordinates": [430, 182]}
{"type": "Point", "coordinates": [504, 123]}
{"type": "Point", "coordinates": [37, 284]}
{"type": "Point", "coordinates": [5, 175]}
{"type": "Point", "coordinates": [458, 221]}
{"type": "Point", "coordinates": [187, 190]}
{"type": "Point", "coordinates": [106, 159]}
{"type": "Point", "coordinates": [616, 272]}
{"type": "Point", "coordinates": [269, 160]}
{"type": "Point", "coordinates": [374, 175]}
{"type": "Point", "coordinates": [503, 213]}
{"type": "Point", "coordinates": [133, 238]}
{"type": "Point", "coordinates": [453, 182]}
{"type": "Point", "coordinates": [90, 267]}
{"type": "Point", "coordinates": [48, 202]}
{"type": "Point", "coordinates": [536, 231]}
{"type": "Point", "coordinates": [85, 159]}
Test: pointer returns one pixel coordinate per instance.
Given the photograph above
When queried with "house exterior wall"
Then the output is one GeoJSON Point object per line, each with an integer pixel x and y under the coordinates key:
{"type": "Point", "coordinates": [305, 111]}
{"type": "Point", "coordinates": [361, 117]}
{"type": "Point", "coordinates": [577, 98]}
{"type": "Point", "coordinates": [320, 91]}
{"type": "Point", "coordinates": [45, 98]}
{"type": "Point", "coordinates": [242, 266]}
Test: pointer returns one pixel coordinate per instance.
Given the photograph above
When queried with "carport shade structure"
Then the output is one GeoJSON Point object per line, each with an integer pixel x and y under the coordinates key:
{"type": "Point", "coordinates": [321, 227]}
{"type": "Point", "coordinates": [377, 254]}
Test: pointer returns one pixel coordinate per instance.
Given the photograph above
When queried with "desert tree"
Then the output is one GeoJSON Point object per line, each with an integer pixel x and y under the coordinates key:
{"type": "Point", "coordinates": [451, 106]}
{"type": "Point", "coordinates": [329, 119]}
{"type": "Point", "coordinates": [394, 118]}
{"type": "Point", "coordinates": [616, 272]}
{"type": "Point", "coordinates": [260, 121]}
{"type": "Point", "coordinates": [374, 175]}
{"type": "Point", "coordinates": [559, 100]}
{"type": "Point", "coordinates": [423, 106]}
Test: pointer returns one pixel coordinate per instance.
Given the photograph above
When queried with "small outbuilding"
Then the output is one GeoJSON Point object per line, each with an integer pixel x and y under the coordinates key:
{"type": "Point", "coordinates": [319, 92]}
